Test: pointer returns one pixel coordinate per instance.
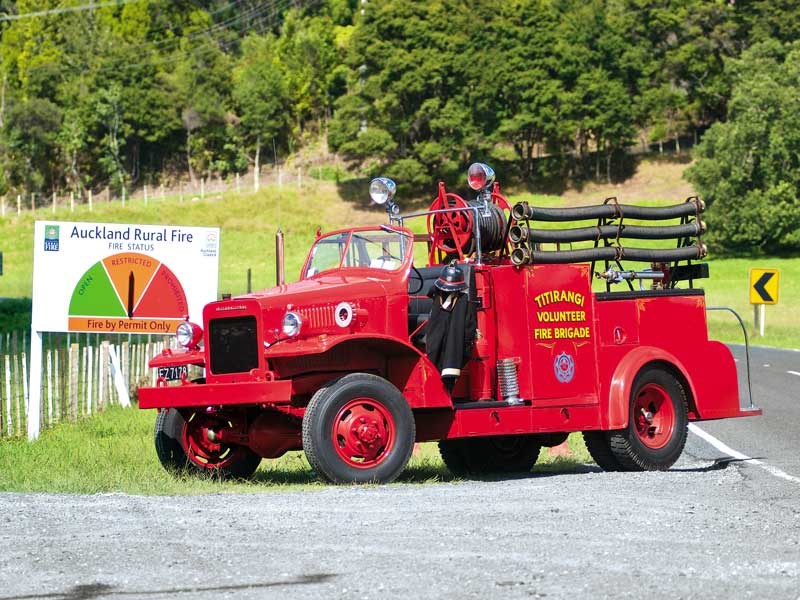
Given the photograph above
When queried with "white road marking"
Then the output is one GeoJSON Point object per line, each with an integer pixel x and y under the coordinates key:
{"type": "Point", "coordinates": [798, 374]}
{"type": "Point", "coordinates": [767, 365]}
{"type": "Point", "coordinates": [725, 449]}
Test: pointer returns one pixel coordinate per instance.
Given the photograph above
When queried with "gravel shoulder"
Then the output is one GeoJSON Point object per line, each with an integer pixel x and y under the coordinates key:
{"type": "Point", "coordinates": [700, 530]}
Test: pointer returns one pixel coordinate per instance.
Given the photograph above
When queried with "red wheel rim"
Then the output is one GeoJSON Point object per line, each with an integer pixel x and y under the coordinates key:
{"type": "Point", "coordinates": [363, 433]}
{"type": "Point", "coordinates": [201, 450]}
{"type": "Point", "coordinates": [654, 416]}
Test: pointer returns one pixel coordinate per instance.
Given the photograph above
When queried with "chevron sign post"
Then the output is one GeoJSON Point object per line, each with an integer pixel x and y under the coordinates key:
{"type": "Point", "coordinates": [764, 285]}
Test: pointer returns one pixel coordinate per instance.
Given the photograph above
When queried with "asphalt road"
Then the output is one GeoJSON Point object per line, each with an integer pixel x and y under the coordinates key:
{"type": "Point", "coordinates": [712, 527]}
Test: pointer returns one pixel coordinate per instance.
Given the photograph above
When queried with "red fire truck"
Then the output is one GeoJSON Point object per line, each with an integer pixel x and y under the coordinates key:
{"type": "Point", "coordinates": [341, 363]}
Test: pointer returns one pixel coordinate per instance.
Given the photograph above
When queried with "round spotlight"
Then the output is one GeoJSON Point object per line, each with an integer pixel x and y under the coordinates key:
{"type": "Point", "coordinates": [480, 176]}
{"type": "Point", "coordinates": [382, 190]}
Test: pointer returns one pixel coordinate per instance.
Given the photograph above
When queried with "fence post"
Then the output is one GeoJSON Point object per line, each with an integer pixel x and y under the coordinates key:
{"type": "Point", "coordinates": [73, 382]}
{"type": "Point", "coordinates": [126, 363]}
{"type": "Point", "coordinates": [145, 194]}
{"type": "Point", "coordinates": [54, 203]}
{"type": "Point", "coordinates": [19, 204]}
{"type": "Point", "coordinates": [32, 411]}
{"type": "Point", "coordinates": [72, 202]}
{"type": "Point", "coordinates": [101, 384]}
{"type": "Point", "coordinates": [49, 387]}
{"type": "Point", "coordinates": [8, 394]}
{"type": "Point", "coordinates": [59, 385]}
{"type": "Point", "coordinates": [88, 354]}
{"type": "Point", "coordinates": [90, 201]}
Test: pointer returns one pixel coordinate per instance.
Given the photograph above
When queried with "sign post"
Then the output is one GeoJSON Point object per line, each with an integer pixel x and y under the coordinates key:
{"type": "Point", "coordinates": [116, 279]}
{"type": "Point", "coordinates": [764, 286]}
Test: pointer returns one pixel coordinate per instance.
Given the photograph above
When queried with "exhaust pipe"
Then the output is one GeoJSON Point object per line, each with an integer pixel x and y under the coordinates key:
{"type": "Point", "coordinates": [280, 278]}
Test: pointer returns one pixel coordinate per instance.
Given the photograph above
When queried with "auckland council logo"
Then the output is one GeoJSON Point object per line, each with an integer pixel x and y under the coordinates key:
{"type": "Point", "coordinates": [210, 244]}
{"type": "Point", "coordinates": [51, 238]}
{"type": "Point", "coordinates": [564, 367]}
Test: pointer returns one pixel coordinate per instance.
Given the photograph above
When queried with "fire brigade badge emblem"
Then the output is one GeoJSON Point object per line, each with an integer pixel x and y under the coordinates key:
{"type": "Point", "coordinates": [564, 367]}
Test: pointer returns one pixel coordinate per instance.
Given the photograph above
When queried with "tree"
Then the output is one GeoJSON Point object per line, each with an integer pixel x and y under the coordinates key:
{"type": "Point", "coordinates": [259, 91]}
{"type": "Point", "coordinates": [748, 168]}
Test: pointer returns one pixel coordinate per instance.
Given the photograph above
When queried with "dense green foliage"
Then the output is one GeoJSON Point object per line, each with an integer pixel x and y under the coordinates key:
{"type": "Point", "coordinates": [748, 168]}
{"type": "Point", "coordinates": [147, 91]}
{"type": "Point", "coordinates": [15, 314]}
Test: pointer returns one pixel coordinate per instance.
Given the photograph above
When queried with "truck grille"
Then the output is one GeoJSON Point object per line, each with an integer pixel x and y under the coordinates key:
{"type": "Point", "coordinates": [233, 344]}
{"type": "Point", "coordinates": [318, 317]}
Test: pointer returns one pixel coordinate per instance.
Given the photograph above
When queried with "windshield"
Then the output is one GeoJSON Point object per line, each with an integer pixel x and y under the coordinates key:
{"type": "Point", "coordinates": [371, 249]}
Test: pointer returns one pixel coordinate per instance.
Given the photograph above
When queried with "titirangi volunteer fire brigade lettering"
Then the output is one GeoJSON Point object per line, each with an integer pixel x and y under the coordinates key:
{"type": "Point", "coordinates": [560, 316]}
{"type": "Point", "coordinates": [546, 298]}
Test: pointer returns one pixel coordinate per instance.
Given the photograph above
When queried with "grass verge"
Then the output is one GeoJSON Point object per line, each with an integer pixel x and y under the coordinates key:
{"type": "Point", "coordinates": [113, 452]}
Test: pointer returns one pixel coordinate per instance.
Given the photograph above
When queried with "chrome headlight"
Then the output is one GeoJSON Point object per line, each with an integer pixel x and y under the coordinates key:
{"type": "Point", "coordinates": [382, 190]}
{"type": "Point", "coordinates": [292, 322]}
{"type": "Point", "coordinates": [188, 334]}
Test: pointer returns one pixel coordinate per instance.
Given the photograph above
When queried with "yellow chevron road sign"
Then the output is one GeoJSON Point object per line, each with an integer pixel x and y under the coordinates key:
{"type": "Point", "coordinates": [764, 286]}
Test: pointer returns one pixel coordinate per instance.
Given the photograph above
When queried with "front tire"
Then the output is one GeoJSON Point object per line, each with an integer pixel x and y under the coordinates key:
{"type": "Point", "coordinates": [358, 429]}
{"type": "Point", "coordinates": [167, 435]}
{"type": "Point", "coordinates": [183, 445]}
{"type": "Point", "coordinates": [499, 454]}
{"type": "Point", "coordinates": [657, 423]}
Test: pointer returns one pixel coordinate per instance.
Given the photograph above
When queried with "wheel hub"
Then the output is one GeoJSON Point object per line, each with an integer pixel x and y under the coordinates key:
{"type": "Point", "coordinates": [363, 432]}
{"type": "Point", "coordinates": [202, 444]}
{"type": "Point", "coordinates": [654, 416]}
{"type": "Point", "coordinates": [367, 433]}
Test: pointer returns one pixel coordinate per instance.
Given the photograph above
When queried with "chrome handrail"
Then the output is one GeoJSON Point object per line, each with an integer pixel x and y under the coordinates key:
{"type": "Point", "coordinates": [746, 348]}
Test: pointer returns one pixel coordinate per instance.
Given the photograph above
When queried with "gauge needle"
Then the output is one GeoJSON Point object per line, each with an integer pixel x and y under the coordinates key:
{"type": "Point", "coordinates": [131, 282]}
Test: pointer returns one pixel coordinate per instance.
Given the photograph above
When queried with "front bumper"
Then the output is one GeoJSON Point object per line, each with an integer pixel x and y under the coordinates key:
{"type": "Point", "coordinates": [215, 394]}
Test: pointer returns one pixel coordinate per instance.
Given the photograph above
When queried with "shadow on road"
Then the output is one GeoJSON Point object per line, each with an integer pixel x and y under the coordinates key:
{"type": "Point", "coordinates": [102, 590]}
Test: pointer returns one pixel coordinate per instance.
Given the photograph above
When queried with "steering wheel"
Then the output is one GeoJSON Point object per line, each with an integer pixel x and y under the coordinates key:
{"type": "Point", "coordinates": [421, 281]}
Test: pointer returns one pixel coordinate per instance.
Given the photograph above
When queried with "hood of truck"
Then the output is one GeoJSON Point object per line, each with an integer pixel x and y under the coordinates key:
{"type": "Point", "coordinates": [343, 284]}
{"type": "Point", "coordinates": [373, 302]}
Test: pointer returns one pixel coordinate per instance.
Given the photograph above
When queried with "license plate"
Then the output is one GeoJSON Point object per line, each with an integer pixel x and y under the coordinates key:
{"type": "Point", "coordinates": [173, 373]}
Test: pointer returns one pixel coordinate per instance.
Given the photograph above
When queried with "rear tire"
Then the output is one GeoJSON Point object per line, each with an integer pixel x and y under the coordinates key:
{"type": "Point", "coordinates": [500, 454]}
{"type": "Point", "coordinates": [600, 450]}
{"type": "Point", "coordinates": [657, 423]}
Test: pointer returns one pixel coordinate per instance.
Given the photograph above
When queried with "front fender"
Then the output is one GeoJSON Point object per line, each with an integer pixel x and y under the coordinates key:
{"type": "Point", "coordinates": [177, 358]}
{"type": "Point", "coordinates": [622, 381]}
{"type": "Point", "coordinates": [400, 362]}
{"type": "Point", "coordinates": [323, 343]}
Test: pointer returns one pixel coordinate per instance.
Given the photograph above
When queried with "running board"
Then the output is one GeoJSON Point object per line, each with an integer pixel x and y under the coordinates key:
{"type": "Point", "coordinates": [488, 404]}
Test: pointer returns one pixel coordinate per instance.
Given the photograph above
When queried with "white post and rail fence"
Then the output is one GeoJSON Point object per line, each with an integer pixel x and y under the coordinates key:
{"type": "Point", "coordinates": [81, 374]}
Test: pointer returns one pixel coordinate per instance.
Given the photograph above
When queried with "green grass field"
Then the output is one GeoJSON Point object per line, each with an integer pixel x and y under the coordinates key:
{"type": "Point", "coordinates": [113, 452]}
